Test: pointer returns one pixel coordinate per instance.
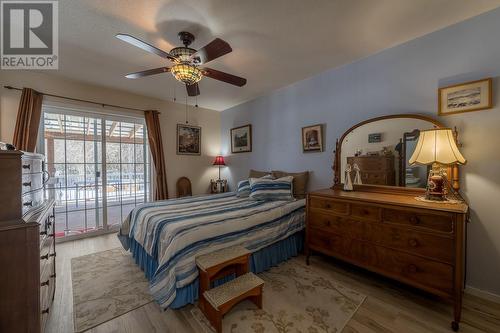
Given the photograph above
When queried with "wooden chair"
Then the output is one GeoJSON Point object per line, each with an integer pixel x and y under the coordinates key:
{"type": "Point", "coordinates": [183, 187]}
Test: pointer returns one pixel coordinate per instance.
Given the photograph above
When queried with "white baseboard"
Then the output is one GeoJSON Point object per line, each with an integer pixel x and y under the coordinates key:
{"type": "Point", "coordinates": [482, 293]}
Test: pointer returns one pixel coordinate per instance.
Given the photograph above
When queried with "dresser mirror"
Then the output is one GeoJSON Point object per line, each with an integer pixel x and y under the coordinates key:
{"type": "Point", "coordinates": [380, 148]}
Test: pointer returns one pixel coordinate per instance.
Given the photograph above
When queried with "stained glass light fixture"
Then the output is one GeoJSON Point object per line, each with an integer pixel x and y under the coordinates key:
{"type": "Point", "coordinates": [186, 73]}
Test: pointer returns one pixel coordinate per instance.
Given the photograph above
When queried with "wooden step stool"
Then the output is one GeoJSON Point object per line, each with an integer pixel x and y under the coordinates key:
{"type": "Point", "coordinates": [218, 301]}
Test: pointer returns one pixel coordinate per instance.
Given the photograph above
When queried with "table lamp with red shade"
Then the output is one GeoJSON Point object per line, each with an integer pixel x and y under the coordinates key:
{"type": "Point", "coordinates": [219, 161]}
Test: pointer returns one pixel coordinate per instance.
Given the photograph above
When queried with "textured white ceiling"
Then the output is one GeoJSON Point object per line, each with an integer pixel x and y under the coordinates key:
{"type": "Point", "coordinates": [275, 42]}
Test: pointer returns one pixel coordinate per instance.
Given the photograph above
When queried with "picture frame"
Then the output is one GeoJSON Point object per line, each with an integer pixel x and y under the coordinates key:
{"type": "Point", "coordinates": [241, 139]}
{"type": "Point", "coordinates": [465, 97]}
{"type": "Point", "coordinates": [188, 139]}
{"type": "Point", "coordinates": [312, 138]}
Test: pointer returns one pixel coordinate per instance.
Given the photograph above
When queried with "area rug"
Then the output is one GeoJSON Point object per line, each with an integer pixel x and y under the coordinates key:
{"type": "Point", "coordinates": [297, 298]}
{"type": "Point", "coordinates": [106, 285]}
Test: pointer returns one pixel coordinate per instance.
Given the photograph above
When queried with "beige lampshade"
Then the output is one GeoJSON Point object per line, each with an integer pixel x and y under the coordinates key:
{"type": "Point", "coordinates": [436, 146]}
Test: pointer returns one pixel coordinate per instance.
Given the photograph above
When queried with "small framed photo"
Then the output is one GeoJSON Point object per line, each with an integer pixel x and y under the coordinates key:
{"type": "Point", "coordinates": [312, 138]}
{"type": "Point", "coordinates": [241, 139]}
{"type": "Point", "coordinates": [188, 140]}
{"type": "Point", "coordinates": [465, 97]}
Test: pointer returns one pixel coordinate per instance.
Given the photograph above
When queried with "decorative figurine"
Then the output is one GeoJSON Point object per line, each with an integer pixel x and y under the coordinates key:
{"type": "Point", "coordinates": [357, 176]}
{"type": "Point", "coordinates": [347, 181]}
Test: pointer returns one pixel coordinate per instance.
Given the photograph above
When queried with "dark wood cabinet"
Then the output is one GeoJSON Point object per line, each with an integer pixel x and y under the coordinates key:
{"type": "Point", "coordinates": [415, 242]}
{"type": "Point", "coordinates": [375, 170]}
{"type": "Point", "coordinates": [27, 244]}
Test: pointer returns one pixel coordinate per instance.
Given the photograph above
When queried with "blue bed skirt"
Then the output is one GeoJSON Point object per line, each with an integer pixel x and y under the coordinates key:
{"type": "Point", "coordinates": [260, 261]}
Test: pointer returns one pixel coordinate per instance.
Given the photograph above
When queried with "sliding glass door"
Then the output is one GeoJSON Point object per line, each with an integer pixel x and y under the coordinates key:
{"type": "Point", "coordinates": [98, 166]}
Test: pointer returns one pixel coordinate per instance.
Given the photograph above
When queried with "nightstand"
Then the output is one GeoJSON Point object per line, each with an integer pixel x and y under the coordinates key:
{"type": "Point", "coordinates": [218, 186]}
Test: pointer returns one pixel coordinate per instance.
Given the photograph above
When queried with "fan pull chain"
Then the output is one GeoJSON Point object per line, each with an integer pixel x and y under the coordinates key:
{"type": "Point", "coordinates": [196, 101]}
{"type": "Point", "coordinates": [187, 110]}
{"type": "Point", "coordinates": [175, 98]}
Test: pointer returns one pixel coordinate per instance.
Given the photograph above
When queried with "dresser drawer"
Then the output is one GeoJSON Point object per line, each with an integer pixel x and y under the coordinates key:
{"type": "Point", "coordinates": [31, 182]}
{"type": "Point", "coordinates": [372, 162]}
{"type": "Point", "coordinates": [420, 271]}
{"type": "Point", "coordinates": [328, 222]}
{"type": "Point", "coordinates": [31, 164]}
{"type": "Point", "coordinates": [31, 200]}
{"type": "Point", "coordinates": [438, 221]}
{"type": "Point", "coordinates": [365, 212]}
{"type": "Point", "coordinates": [329, 243]}
{"type": "Point", "coordinates": [431, 246]}
{"type": "Point", "coordinates": [414, 269]}
{"type": "Point", "coordinates": [338, 207]}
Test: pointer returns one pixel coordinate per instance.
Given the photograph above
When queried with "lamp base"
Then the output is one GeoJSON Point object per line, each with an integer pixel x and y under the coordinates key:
{"type": "Point", "coordinates": [436, 184]}
{"type": "Point", "coordinates": [435, 197]}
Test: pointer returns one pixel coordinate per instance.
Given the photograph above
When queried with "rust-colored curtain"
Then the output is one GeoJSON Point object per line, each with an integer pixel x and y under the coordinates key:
{"type": "Point", "coordinates": [156, 147]}
{"type": "Point", "coordinates": [28, 120]}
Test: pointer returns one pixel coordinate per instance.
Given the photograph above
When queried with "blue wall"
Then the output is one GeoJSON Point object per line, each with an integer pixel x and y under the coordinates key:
{"type": "Point", "coordinates": [403, 79]}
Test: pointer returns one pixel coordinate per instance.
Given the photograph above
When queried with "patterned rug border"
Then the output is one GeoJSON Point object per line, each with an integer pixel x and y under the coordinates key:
{"type": "Point", "coordinates": [205, 325]}
{"type": "Point", "coordinates": [103, 322]}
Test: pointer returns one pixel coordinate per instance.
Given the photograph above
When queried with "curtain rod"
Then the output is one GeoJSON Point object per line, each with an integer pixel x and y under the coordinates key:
{"type": "Point", "coordinates": [83, 100]}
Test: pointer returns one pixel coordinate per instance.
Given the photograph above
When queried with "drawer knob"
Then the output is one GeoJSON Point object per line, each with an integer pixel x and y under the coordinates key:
{"type": "Point", "coordinates": [26, 166]}
{"type": "Point", "coordinates": [412, 268]}
{"type": "Point", "coordinates": [413, 242]}
{"type": "Point", "coordinates": [28, 204]}
{"type": "Point", "coordinates": [328, 223]}
{"type": "Point", "coordinates": [52, 276]}
{"type": "Point", "coordinates": [44, 257]}
{"type": "Point", "coordinates": [43, 233]}
{"type": "Point", "coordinates": [414, 219]}
{"type": "Point", "coordinates": [328, 206]}
{"type": "Point", "coordinates": [45, 311]}
{"type": "Point", "coordinates": [46, 283]}
{"type": "Point", "coordinates": [27, 184]}
{"type": "Point", "coordinates": [52, 254]}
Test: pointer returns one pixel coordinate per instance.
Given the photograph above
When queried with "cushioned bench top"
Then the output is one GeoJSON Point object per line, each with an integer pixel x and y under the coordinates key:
{"type": "Point", "coordinates": [221, 256]}
{"type": "Point", "coordinates": [230, 290]}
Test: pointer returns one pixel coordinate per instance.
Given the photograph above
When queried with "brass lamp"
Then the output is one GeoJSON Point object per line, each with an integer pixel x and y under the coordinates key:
{"type": "Point", "coordinates": [437, 147]}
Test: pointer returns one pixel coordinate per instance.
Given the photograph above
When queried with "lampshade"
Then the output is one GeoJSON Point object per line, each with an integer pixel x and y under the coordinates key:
{"type": "Point", "coordinates": [219, 160]}
{"type": "Point", "coordinates": [436, 146]}
{"type": "Point", "coordinates": [186, 73]}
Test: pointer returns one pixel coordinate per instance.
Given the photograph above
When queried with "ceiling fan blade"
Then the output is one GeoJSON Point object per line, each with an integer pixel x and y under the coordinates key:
{"type": "Point", "coordinates": [215, 49]}
{"type": "Point", "coordinates": [148, 72]}
{"type": "Point", "coordinates": [143, 45]}
{"type": "Point", "coordinates": [221, 76]}
{"type": "Point", "coordinates": [193, 89]}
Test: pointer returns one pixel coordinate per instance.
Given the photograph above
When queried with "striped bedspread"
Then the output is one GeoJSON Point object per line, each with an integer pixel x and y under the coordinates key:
{"type": "Point", "coordinates": [174, 232]}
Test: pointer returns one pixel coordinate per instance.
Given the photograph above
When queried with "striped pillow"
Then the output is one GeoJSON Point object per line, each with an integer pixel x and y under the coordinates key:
{"type": "Point", "coordinates": [243, 190]}
{"type": "Point", "coordinates": [271, 189]}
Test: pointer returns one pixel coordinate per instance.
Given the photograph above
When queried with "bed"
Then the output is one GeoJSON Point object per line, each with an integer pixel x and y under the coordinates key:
{"type": "Point", "coordinates": [164, 237]}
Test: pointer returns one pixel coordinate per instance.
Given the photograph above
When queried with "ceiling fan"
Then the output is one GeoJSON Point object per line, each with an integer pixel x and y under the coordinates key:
{"type": "Point", "coordinates": [186, 61]}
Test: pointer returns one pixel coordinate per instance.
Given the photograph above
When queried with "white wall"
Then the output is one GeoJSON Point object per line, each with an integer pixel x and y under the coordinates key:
{"type": "Point", "coordinates": [403, 79]}
{"type": "Point", "coordinates": [196, 168]}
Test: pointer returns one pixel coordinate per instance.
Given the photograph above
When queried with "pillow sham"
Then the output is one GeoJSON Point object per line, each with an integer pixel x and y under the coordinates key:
{"type": "Point", "coordinates": [243, 189]}
{"type": "Point", "coordinates": [258, 174]}
{"type": "Point", "coordinates": [300, 180]}
{"type": "Point", "coordinates": [271, 189]}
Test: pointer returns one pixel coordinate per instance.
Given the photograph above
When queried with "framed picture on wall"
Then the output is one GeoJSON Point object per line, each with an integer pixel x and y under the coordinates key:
{"type": "Point", "coordinates": [465, 97]}
{"type": "Point", "coordinates": [241, 139]}
{"type": "Point", "coordinates": [312, 138]}
{"type": "Point", "coordinates": [188, 140]}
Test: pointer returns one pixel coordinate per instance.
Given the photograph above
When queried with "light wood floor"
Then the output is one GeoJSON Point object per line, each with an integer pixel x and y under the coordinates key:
{"type": "Point", "coordinates": [389, 307]}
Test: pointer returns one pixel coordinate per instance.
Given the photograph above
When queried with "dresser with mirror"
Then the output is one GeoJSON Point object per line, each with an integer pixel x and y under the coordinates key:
{"type": "Point", "coordinates": [381, 225]}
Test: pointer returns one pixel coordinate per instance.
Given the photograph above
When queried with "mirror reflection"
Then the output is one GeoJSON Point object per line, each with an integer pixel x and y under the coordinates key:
{"type": "Point", "coordinates": [381, 150]}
